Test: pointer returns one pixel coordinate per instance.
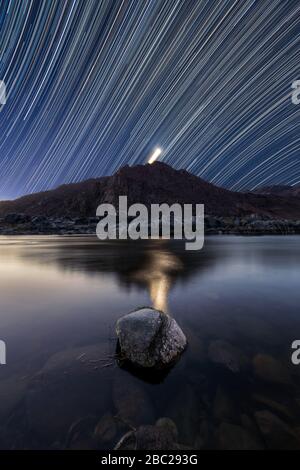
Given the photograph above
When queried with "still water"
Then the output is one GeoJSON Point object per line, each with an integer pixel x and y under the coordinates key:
{"type": "Point", "coordinates": [237, 301]}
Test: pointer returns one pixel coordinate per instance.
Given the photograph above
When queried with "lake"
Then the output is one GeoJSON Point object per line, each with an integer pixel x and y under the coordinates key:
{"type": "Point", "coordinates": [237, 301]}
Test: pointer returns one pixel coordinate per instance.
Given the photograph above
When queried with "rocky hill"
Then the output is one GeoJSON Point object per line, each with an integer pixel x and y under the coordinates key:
{"type": "Point", "coordinates": [156, 183]}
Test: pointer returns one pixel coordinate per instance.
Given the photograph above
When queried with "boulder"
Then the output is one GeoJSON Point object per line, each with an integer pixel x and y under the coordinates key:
{"type": "Point", "coordinates": [150, 338]}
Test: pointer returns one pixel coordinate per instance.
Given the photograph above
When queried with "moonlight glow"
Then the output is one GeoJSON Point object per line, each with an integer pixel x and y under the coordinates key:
{"type": "Point", "coordinates": [157, 152]}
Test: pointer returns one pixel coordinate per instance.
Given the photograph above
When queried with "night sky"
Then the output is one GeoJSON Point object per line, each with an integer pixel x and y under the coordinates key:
{"type": "Point", "coordinates": [93, 85]}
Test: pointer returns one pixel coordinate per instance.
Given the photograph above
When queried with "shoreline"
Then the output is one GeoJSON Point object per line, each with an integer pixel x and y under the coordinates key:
{"type": "Point", "coordinates": [253, 224]}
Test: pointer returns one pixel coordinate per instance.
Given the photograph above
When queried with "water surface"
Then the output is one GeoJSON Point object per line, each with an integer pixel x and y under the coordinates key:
{"type": "Point", "coordinates": [60, 299]}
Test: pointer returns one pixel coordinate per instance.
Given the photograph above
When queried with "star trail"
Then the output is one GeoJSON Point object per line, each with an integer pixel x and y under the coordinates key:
{"type": "Point", "coordinates": [93, 85]}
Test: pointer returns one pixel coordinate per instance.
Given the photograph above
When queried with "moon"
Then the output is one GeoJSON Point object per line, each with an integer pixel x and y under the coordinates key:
{"type": "Point", "coordinates": [156, 153]}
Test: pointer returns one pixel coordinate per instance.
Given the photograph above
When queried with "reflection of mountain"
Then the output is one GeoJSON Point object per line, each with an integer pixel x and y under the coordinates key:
{"type": "Point", "coordinates": [155, 264]}
{"type": "Point", "coordinates": [156, 183]}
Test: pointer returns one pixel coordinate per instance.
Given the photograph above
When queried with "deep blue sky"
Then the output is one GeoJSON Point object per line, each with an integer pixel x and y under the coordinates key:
{"type": "Point", "coordinates": [93, 85]}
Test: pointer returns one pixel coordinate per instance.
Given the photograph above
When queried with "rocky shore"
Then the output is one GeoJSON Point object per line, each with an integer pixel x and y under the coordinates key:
{"type": "Point", "coordinates": [23, 224]}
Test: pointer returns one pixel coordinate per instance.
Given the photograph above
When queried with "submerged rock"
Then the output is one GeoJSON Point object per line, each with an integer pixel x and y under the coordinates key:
{"type": "Point", "coordinates": [223, 353]}
{"type": "Point", "coordinates": [224, 406]}
{"type": "Point", "coordinates": [131, 402]}
{"type": "Point", "coordinates": [205, 439]}
{"type": "Point", "coordinates": [234, 437]}
{"type": "Point", "coordinates": [12, 391]}
{"type": "Point", "coordinates": [149, 438]}
{"type": "Point", "coordinates": [196, 346]}
{"type": "Point", "coordinates": [277, 434]}
{"type": "Point", "coordinates": [187, 411]}
{"type": "Point", "coordinates": [79, 435]}
{"type": "Point", "coordinates": [106, 429]}
{"type": "Point", "coordinates": [67, 389]}
{"type": "Point", "coordinates": [169, 426]}
{"type": "Point", "coordinates": [150, 338]}
{"type": "Point", "coordinates": [271, 370]}
{"type": "Point", "coordinates": [275, 406]}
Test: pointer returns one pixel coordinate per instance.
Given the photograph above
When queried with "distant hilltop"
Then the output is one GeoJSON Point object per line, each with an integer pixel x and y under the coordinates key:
{"type": "Point", "coordinates": [279, 190]}
{"type": "Point", "coordinates": [156, 183]}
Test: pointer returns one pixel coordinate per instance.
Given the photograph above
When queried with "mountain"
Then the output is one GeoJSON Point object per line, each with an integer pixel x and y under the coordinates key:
{"type": "Point", "coordinates": [156, 183]}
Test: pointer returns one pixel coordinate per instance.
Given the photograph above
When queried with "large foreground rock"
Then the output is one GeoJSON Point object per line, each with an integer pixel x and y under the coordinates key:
{"type": "Point", "coordinates": [150, 338]}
